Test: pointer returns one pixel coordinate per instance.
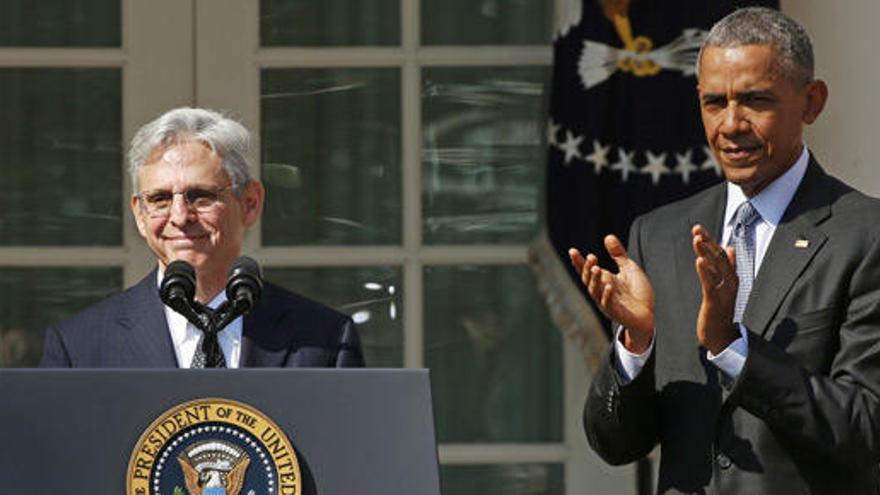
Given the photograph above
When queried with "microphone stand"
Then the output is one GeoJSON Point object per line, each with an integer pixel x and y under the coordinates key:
{"type": "Point", "coordinates": [243, 289]}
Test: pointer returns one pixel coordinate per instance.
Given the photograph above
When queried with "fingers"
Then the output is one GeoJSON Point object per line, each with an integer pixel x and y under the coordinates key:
{"type": "Point", "coordinates": [599, 282]}
{"type": "Point", "coordinates": [704, 245]}
{"type": "Point", "coordinates": [577, 260]}
{"type": "Point", "coordinates": [715, 265]}
{"type": "Point", "coordinates": [605, 297]}
{"type": "Point", "coordinates": [600, 285]}
{"type": "Point", "coordinates": [585, 267]}
{"type": "Point", "coordinates": [710, 279]}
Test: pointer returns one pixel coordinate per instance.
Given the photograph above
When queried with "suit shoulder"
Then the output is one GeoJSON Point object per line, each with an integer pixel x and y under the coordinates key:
{"type": "Point", "coordinates": [853, 208]}
{"type": "Point", "coordinates": [676, 210]}
{"type": "Point", "coordinates": [850, 199]}
{"type": "Point", "coordinates": [94, 315]}
{"type": "Point", "coordinates": [290, 301]}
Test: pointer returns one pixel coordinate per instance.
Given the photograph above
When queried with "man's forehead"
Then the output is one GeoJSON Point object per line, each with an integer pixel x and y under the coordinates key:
{"type": "Point", "coordinates": [182, 165]}
{"type": "Point", "coordinates": [182, 153]}
{"type": "Point", "coordinates": [743, 63]}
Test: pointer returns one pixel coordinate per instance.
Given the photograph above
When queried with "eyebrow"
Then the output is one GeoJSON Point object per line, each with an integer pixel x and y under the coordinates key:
{"type": "Point", "coordinates": [191, 187]}
{"type": "Point", "coordinates": [740, 95]}
{"type": "Point", "coordinates": [753, 93]}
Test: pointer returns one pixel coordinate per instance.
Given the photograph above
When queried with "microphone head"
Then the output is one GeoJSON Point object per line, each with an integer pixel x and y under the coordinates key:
{"type": "Point", "coordinates": [245, 283]}
{"type": "Point", "coordinates": [245, 264]}
{"type": "Point", "coordinates": [179, 281]}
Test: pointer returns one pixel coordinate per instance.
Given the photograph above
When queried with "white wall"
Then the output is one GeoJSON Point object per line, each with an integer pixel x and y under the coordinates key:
{"type": "Point", "coordinates": [846, 41]}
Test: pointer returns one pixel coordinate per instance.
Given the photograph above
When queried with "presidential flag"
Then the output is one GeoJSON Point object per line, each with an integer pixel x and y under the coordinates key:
{"type": "Point", "coordinates": [624, 133]}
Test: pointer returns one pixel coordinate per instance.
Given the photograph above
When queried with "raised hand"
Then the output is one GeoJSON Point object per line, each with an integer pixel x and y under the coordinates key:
{"type": "Point", "coordinates": [625, 297]}
{"type": "Point", "coordinates": [716, 269]}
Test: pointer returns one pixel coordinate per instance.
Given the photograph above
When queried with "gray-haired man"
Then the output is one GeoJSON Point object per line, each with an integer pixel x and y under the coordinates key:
{"type": "Point", "coordinates": [754, 360]}
{"type": "Point", "coordinates": [194, 200]}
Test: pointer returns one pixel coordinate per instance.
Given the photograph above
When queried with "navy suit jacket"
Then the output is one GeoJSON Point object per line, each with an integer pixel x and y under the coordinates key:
{"type": "Point", "coordinates": [129, 330]}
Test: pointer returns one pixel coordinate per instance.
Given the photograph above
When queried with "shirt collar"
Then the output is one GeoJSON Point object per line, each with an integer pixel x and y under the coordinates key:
{"type": "Point", "coordinates": [774, 199]}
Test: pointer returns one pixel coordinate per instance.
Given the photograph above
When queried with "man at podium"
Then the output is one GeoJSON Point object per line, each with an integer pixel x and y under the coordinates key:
{"type": "Point", "coordinates": [194, 199]}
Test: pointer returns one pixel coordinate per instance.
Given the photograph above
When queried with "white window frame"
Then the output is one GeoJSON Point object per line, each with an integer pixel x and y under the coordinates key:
{"type": "Point", "coordinates": [180, 52]}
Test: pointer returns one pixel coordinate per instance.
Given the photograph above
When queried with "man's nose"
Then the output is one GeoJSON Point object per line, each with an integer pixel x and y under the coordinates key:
{"type": "Point", "coordinates": [180, 212]}
{"type": "Point", "coordinates": [734, 120]}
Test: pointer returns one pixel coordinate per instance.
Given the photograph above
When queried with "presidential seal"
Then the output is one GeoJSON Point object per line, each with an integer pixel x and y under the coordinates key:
{"type": "Point", "coordinates": [213, 447]}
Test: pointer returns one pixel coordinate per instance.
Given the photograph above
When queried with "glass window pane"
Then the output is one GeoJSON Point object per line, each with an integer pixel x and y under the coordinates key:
{"type": "Point", "coordinates": [63, 23]}
{"type": "Point", "coordinates": [486, 22]}
{"type": "Point", "coordinates": [504, 479]}
{"type": "Point", "coordinates": [482, 159]}
{"type": "Point", "coordinates": [61, 165]}
{"type": "Point", "coordinates": [495, 357]}
{"type": "Point", "coordinates": [329, 22]}
{"type": "Point", "coordinates": [371, 296]}
{"type": "Point", "coordinates": [34, 298]}
{"type": "Point", "coordinates": [331, 156]}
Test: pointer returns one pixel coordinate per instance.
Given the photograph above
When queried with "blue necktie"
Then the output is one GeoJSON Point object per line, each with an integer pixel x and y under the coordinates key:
{"type": "Point", "coordinates": [743, 241]}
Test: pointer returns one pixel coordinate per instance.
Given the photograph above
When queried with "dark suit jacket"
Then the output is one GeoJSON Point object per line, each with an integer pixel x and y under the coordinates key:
{"type": "Point", "coordinates": [804, 414]}
{"type": "Point", "coordinates": [129, 330]}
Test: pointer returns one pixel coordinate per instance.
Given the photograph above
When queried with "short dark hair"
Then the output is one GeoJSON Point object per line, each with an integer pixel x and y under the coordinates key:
{"type": "Point", "coordinates": [764, 26]}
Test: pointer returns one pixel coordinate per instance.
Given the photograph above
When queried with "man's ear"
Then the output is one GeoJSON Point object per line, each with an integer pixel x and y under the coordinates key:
{"type": "Point", "coordinates": [252, 201]}
{"type": "Point", "coordinates": [138, 216]}
{"type": "Point", "coordinates": [817, 95]}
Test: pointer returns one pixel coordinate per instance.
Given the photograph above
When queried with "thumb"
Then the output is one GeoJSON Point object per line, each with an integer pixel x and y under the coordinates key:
{"type": "Point", "coordinates": [616, 250]}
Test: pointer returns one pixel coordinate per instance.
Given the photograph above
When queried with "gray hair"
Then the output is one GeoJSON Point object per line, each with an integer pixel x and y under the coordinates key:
{"type": "Point", "coordinates": [225, 136]}
{"type": "Point", "coordinates": [763, 26]}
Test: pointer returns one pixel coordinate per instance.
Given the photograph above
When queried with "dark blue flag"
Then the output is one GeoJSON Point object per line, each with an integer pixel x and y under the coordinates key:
{"type": "Point", "coordinates": [624, 134]}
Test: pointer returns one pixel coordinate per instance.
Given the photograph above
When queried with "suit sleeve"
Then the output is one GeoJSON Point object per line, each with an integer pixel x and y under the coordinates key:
{"type": "Point", "coordinates": [350, 353]}
{"type": "Point", "coordinates": [622, 420]}
{"type": "Point", "coordinates": [835, 414]}
{"type": "Point", "coordinates": [54, 353]}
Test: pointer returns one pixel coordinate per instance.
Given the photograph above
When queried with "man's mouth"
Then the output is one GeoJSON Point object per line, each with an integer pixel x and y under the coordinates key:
{"type": "Point", "coordinates": [737, 153]}
{"type": "Point", "coordinates": [185, 239]}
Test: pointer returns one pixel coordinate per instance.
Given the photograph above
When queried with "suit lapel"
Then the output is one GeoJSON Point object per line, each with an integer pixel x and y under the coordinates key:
{"type": "Point", "coordinates": [795, 242]}
{"type": "Point", "coordinates": [708, 212]}
{"type": "Point", "coordinates": [262, 345]}
{"type": "Point", "coordinates": [146, 335]}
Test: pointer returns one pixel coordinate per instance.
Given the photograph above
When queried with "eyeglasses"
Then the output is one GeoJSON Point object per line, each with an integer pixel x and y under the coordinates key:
{"type": "Point", "coordinates": [157, 203]}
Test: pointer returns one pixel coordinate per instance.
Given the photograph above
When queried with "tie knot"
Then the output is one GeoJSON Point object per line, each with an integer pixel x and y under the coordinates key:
{"type": "Point", "coordinates": [745, 216]}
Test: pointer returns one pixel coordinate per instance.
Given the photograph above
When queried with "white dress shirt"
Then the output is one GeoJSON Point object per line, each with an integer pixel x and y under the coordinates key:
{"type": "Point", "coordinates": [771, 204]}
{"type": "Point", "coordinates": [185, 336]}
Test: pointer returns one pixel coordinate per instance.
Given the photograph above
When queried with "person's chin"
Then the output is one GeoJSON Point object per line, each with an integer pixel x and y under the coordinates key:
{"type": "Point", "coordinates": [192, 254]}
{"type": "Point", "coordinates": [745, 165]}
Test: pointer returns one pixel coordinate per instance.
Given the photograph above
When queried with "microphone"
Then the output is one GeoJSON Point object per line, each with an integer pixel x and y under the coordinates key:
{"type": "Point", "coordinates": [244, 286]}
{"type": "Point", "coordinates": [178, 290]}
{"type": "Point", "coordinates": [178, 287]}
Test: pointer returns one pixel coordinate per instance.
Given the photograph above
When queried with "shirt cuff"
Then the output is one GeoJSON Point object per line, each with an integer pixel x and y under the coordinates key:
{"type": "Point", "coordinates": [629, 364]}
{"type": "Point", "coordinates": [732, 359]}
